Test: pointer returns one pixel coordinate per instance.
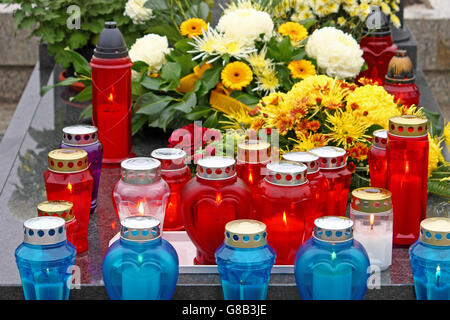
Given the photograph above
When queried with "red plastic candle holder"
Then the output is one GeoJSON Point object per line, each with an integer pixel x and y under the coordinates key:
{"type": "Point", "coordinates": [407, 159]}
{"type": "Point", "coordinates": [283, 203]}
{"type": "Point", "coordinates": [176, 173]}
{"type": "Point", "coordinates": [68, 178]}
{"type": "Point", "coordinates": [252, 158]}
{"type": "Point", "coordinates": [333, 165]}
{"type": "Point", "coordinates": [377, 159]}
{"type": "Point", "coordinates": [213, 198]}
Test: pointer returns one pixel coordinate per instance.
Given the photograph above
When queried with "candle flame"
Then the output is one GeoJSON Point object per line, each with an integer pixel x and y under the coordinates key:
{"type": "Point", "coordinates": [407, 167]}
{"type": "Point", "coordinates": [438, 271]}
{"type": "Point", "coordinates": [372, 218]}
{"type": "Point", "coordinates": [284, 218]}
{"type": "Point", "coordinates": [111, 97]}
{"type": "Point", "coordinates": [69, 187]}
{"type": "Point", "coordinates": [218, 198]}
{"type": "Point", "coordinates": [113, 225]}
{"type": "Point", "coordinates": [250, 178]}
{"type": "Point", "coordinates": [140, 208]}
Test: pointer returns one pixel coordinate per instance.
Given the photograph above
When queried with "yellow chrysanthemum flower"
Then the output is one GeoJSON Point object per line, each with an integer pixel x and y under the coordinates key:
{"type": "Point", "coordinates": [239, 119]}
{"type": "Point", "coordinates": [446, 135]}
{"type": "Point", "coordinates": [267, 80]}
{"type": "Point", "coordinates": [236, 75]}
{"type": "Point", "coordinates": [193, 27]}
{"type": "Point", "coordinates": [435, 153]}
{"type": "Point", "coordinates": [346, 128]}
{"type": "Point", "coordinates": [301, 69]}
{"type": "Point", "coordinates": [294, 30]}
{"type": "Point", "coordinates": [341, 21]}
{"type": "Point", "coordinates": [308, 142]}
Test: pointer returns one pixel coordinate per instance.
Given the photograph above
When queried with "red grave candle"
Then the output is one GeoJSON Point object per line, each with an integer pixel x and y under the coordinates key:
{"type": "Point", "coordinates": [333, 165]}
{"type": "Point", "coordinates": [283, 202]}
{"type": "Point", "coordinates": [68, 178]}
{"type": "Point", "coordinates": [318, 183]}
{"type": "Point", "coordinates": [176, 173]}
{"type": "Point", "coordinates": [377, 159]}
{"type": "Point", "coordinates": [111, 94]}
{"type": "Point", "coordinates": [213, 198]}
{"type": "Point", "coordinates": [252, 158]}
{"type": "Point", "coordinates": [407, 158]}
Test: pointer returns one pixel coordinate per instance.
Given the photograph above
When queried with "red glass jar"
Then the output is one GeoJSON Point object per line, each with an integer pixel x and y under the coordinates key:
{"type": "Point", "coordinates": [318, 184]}
{"type": "Point", "coordinates": [176, 173]}
{"type": "Point", "coordinates": [213, 198]}
{"type": "Point", "coordinates": [141, 191]}
{"type": "Point", "coordinates": [252, 158]}
{"type": "Point", "coordinates": [333, 165]}
{"type": "Point", "coordinates": [68, 178]}
{"type": "Point", "coordinates": [377, 159]}
{"type": "Point", "coordinates": [400, 80]}
{"type": "Point", "coordinates": [111, 94]}
{"type": "Point", "coordinates": [283, 201]}
{"type": "Point", "coordinates": [407, 158]}
{"type": "Point", "coordinates": [63, 209]}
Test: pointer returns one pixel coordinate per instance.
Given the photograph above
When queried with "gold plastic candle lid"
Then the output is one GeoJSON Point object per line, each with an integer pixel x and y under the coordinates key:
{"type": "Point", "coordinates": [80, 135]}
{"type": "Point", "coordinates": [140, 228]}
{"type": "Point", "coordinates": [286, 173]}
{"type": "Point", "coordinates": [408, 126]}
{"type": "Point", "coordinates": [435, 231]}
{"type": "Point", "coordinates": [68, 160]}
{"type": "Point", "coordinates": [333, 229]}
{"type": "Point", "coordinates": [216, 168]}
{"type": "Point", "coordinates": [330, 157]}
{"type": "Point", "coordinates": [253, 151]}
{"type": "Point", "coordinates": [245, 233]}
{"type": "Point", "coordinates": [379, 139]}
{"type": "Point", "coordinates": [140, 170]}
{"type": "Point", "coordinates": [56, 208]}
{"type": "Point", "coordinates": [311, 161]}
{"type": "Point", "coordinates": [44, 230]}
{"type": "Point", "coordinates": [371, 200]}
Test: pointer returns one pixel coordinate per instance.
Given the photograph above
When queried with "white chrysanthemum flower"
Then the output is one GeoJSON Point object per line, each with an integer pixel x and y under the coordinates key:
{"type": "Point", "coordinates": [151, 49]}
{"type": "Point", "coordinates": [342, 57]}
{"type": "Point", "coordinates": [267, 81]}
{"type": "Point", "coordinates": [137, 12]}
{"type": "Point", "coordinates": [246, 25]}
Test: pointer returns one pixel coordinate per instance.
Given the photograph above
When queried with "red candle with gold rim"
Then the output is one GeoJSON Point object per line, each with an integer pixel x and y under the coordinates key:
{"type": "Point", "coordinates": [377, 159]}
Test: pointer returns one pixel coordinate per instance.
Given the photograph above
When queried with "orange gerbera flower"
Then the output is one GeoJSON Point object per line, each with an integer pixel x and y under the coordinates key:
{"type": "Point", "coordinates": [193, 27]}
{"type": "Point", "coordinates": [301, 69]}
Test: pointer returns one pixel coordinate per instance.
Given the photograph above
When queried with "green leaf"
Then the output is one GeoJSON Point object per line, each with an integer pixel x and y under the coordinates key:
{"type": "Point", "coordinates": [364, 67]}
{"type": "Point", "coordinates": [209, 80]}
{"type": "Point", "coordinates": [187, 103]}
{"type": "Point", "coordinates": [151, 104]}
{"type": "Point", "coordinates": [198, 113]}
{"type": "Point", "coordinates": [167, 30]}
{"type": "Point", "coordinates": [211, 121]}
{"type": "Point", "coordinates": [78, 39]}
{"type": "Point", "coordinates": [84, 95]}
{"type": "Point", "coordinates": [166, 117]}
{"type": "Point", "coordinates": [139, 120]}
{"type": "Point", "coordinates": [139, 66]}
{"type": "Point", "coordinates": [137, 90]}
{"type": "Point", "coordinates": [441, 188]}
{"type": "Point", "coordinates": [151, 83]}
{"type": "Point", "coordinates": [184, 45]}
{"type": "Point", "coordinates": [67, 82]}
{"type": "Point", "coordinates": [308, 23]}
{"type": "Point", "coordinates": [156, 5]}
{"type": "Point", "coordinates": [186, 63]}
{"type": "Point", "coordinates": [86, 114]}
{"type": "Point", "coordinates": [372, 128]}
{"type": "Point", "coordinates": [171, 71]}
{"type": "Point", "coordinates": [245, 98]}
{"type": "Point", "coordinates": [433, 118]}
{"type": "Point", "coordinates": [299, 56]}
{"type": "Point", "coordinates": [80, 64]}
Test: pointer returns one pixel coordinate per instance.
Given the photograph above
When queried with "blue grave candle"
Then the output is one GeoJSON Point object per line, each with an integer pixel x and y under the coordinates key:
{"type": "Point", "coordinates": [332, 265]}
{"type": "Point", "coordinates": [430, 260]}
{"type": "Point", "coordinates": [245, 260]}
{"type": "Point", "coordinates": [44, 259]}
{"type": "Point", "coordinates": [140, 265]}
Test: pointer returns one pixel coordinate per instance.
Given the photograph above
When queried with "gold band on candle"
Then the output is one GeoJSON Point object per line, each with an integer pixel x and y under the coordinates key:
{"type": "Point", "coordinates": [245, 233]}
{"type": "Point", "coordinates": [67, 160]}
{"type": "Point", "coordinates": [56, 208]}
{"type": "Point", "coordinates": [371, 200]}
{"type": "Point", "coordinates": [435, 231]}
{"type": "Point", "coordinates": [408, 126]}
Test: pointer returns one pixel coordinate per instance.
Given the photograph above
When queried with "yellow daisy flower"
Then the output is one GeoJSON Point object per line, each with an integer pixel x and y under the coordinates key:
{"type": "Point", "coordinates": [193, 27]}
{"type": "Point", "coordinates": [301, 69]}
{"type": "Point", "coordinates": [294, 30]}
{"type": "Point", "coordinates": [236, 75]}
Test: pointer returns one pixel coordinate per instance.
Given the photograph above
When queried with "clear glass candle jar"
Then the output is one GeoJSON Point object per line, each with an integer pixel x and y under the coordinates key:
{"type": "Point", "coordinates": [85, 137]}
{"type": "Point", "coordinates": [318, 183]}
{"type": "Point", "coordinates": [45, 259]}
{"type": "Point", "coordinates": [377, 159]}
{"type": "Point", "coordinates": [215, 197]}
{"type": "Point", "coordinates": [68, 178]}
{"type": "Point", "coordinates": [371, 212]}
{"type": "Point", "coordinates": [430, 260]}
{"type": "Point", "coordinates": [176, 173]}
{"type": "Point", "coordinates": [283, 201]}
{"type": "Point", "coordinates": [251, 160]}
{"type": "Point", "coordinates": [333, 165]}
{"type": "Point", "coordinates": [407, 158]}
{"type": "Point", "coordinates": [141, 191]}
{"type": "Point", "coordinates": [332, 265]}
{"type": "Point", "coordinates": [245, 260]}
{"type": "Point", "coordinates": [140, 265]}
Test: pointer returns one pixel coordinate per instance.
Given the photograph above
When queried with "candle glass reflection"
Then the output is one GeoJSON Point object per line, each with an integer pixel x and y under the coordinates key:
{"type": "Point", "coordinates": [377, 159]}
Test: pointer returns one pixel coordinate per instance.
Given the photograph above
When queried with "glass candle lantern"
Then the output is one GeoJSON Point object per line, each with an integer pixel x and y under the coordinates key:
{"type": "Point", "coordinates": [45, 259]}
{"type": "Point", "coordinates": [245, 260]}
{"type": "Point", "coordinates": [318, 183]}
{"type": "Point", "coordinates": [333, 165]}
{"type": "Point", "coordinates": [378, 47]}
{"type": "Point", "coordinates": [332, 265]}
{"type": "Point", "coordinates": [140, 265]}
{"type": "Point", "coordinates": [377, 159]}
{"type": "Point", "coordinates": [68, 178]}
{"type": "Point", "coordinates": [176, 173]}
{"type": "Point", "coordinates": [252, 158]}
{"type": "Point", "coordinates": [64, 210]}
{"type": "Point", "coordinates": [141, 191]}
{"type": "Point", "coordinates": [400, 80]}
{"type": "Point", "coordinates": [111, 94]}
{"type": "Point", "coordinates": [371, 212]}
{"type": "Point", "coordinates": [430, 260]}
{"type": "Point", "coordinates": [283, 201]}
{"type": "Point", "coordinates": [407, 158]}
{"type": "Point", "coordinates": [216, 196]}
{"type": "Point", "coordinates": [85, 137]}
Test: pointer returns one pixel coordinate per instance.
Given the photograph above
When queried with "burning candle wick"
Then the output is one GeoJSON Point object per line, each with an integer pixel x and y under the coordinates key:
{"type": "Point", "coordinates": [284, 219]}
{"type": "Point", "coordinates": [141, 208]}
{"type": "Point", "coordinates": [218, 198]}
{"type": "Point", "coordinates": [69, 187]}
{"type": "Point", "coordinates": [372, 218]}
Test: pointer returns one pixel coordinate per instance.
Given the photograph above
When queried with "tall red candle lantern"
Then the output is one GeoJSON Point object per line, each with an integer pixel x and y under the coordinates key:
{"type": "Point", "coordinates": [407, 158]}
{"type": "Point", "coordinates": [213, 198]}
{"type": "Point", "coordinates": [333, 165]}
{"type": "Point", "coordinates": [68, 178]}
{"type": "Point", "coordinates": [318, 183]}
{"type": "Point", "coordinates": [377, 159]}
{"type": "Point", "coordinates": [400, 80]}
{"type": "Point", "coordinates": [377, 46]}
{"type": "Point", "coordinates": [252, 158]}
{"type": "Point", "coordinates": [176, 173]}
{"type": "Point", "coordinates": [111, 94]}
{"type": "Point", "coordinates": [283, 201]}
